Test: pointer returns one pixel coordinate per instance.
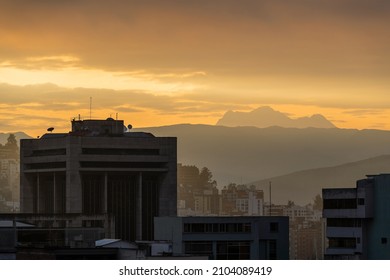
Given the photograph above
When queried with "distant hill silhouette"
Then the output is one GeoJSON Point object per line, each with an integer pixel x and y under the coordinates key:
{"type": "Point", "coordinates": [266, 116]}
{"type": "Point", "coordinates": [301, 187]}
{"type": "Point", "coordinates": [246, 154]}
{"type": "Point", "coordinates": [250, 154]}
{"type": "Point", "coordinates": [18, 136]}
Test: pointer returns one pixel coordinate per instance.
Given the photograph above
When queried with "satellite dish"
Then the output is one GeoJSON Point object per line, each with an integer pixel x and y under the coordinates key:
{"type": "Point", "coordinates": [129, 127]}
{"type": "Point", "coordinates": [50, 129]}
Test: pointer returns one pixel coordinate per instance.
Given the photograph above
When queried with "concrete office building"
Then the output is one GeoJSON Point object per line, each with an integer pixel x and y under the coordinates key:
{"type": "Point", "coordinates": [358, 219]}
{"type": "Point", "coordinates": [101, 168]}
{"type": "Point", "coordinates": [249, 237]}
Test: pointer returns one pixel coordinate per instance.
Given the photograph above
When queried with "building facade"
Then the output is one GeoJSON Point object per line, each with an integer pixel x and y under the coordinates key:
{"type": "Point", "coordinates": [358, 219]}
{"type": "Point", "coordinates": [100, 168]}
{"type": "Point", "coordinates": [225, 238]}
{"type": "Point", "coordinates": [9, 176]}
{"type": "Point", "coordinates": [242, 200]}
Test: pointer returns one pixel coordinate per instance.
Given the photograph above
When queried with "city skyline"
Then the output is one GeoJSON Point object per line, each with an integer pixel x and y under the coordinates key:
{"type": "Point", "coordinates": [166, 62]}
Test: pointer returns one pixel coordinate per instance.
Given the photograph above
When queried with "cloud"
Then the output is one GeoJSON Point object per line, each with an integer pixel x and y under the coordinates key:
{"type": "Point", "coordinates": [194, 57]}
{"type": "Point", "coordinates": [214, 36]}
{"type": "Point", "coordinates": [32, 108]}
{"type": "Point", "coordinates": [127, 109]}
{"type": "Point", "coordinates": [42, 62]}
{"type": "Point", "coordinates": [30, 122]}
{"type": "Point", "coordinates": [365, 112]}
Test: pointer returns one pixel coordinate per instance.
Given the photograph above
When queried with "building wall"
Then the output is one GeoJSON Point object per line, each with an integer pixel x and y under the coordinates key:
{"type": "Point", "coordinates": [379, 227]}
{"type": "Point", "coordinates": [362, 219]}
{"type": "Point", "coordinates": [90, 171]}
{"type": "Point", "coordinates": [226, 237]}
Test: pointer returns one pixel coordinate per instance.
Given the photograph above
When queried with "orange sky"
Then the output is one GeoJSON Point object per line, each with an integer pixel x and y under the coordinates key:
{"type": "Point", "coordinates": [163, 62]}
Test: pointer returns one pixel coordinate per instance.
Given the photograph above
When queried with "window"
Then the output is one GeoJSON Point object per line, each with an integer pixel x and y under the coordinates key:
{"type": "Point", "coordinates": [342, 242]}
{"type": "Point", "coordinates": [204, 248]}
{"type": "Point", "coordinates": [347, 203]}
{"type": "Point", "coordinates": [274, 227]}
{"type": "Point", "coordinates": [272, 254]}
{"type": "Point", "coordinates": [48, 152]}
{"type": "Point", "coordinates": [121, 164]}
{"type": "Point", "coordinates": [343, 222]}
{"type": "Point", "coordinates": [216, 228]}
{"type": "Point", "coordinates": [119, 151]}
{"type": "Point", "coordinates": [233, 250]}
{"type": "Point", "coordinates": [360, 201]}
{"type": "Point", "coordinates": [46, 165]}
{"type": "Point", "coordinates": [384, 240]}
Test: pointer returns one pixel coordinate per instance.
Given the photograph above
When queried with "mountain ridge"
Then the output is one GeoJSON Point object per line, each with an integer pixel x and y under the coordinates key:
{"type": "Point", "coordinates": [302, 186]}
{"type": "Point", "coordinates": [265, 116]}
{"type": "Point", "coordinates": [18, 135]}
{"type": "Point", "coordinates": [248, 154]}
{"type": "Point", "coordinates": [259, 155]}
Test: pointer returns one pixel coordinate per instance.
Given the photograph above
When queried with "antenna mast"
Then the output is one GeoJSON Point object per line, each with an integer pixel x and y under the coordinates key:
{"type": "Point", "coordinates": [90, 107]}
{"type": "Point", "coordinates": [270, 199]}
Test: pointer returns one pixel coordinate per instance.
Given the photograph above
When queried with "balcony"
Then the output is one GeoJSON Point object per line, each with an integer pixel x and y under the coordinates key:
{"type": "Point", "coordinates": [359, 212]}
{"type": "Point", "coordinates": [344, 232]}
{"type": "Point", "coordinates": [342, 251]}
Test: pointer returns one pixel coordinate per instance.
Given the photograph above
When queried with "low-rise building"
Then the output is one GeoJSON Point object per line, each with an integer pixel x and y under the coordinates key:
{"type": "Point", "coordinates": [249, 237]}
{"type": "Point", "coordinates": [357, 219]}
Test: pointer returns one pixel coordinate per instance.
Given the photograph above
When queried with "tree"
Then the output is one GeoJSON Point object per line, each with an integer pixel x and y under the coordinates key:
{"type": "Point", "coordinates": [12, 145]}
{"type": "Point", "coordinates": [317, 204]}
{"type": "Point", "coordinates": [11, 141]}
{"type": "Point", "coordinates": [290, 203]}
{"type": "Point", "coordinates": [206, 178]}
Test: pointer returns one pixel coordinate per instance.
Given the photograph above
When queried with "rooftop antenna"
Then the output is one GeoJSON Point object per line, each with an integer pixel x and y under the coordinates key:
{"type": "Point", "coordinates": [90, 108]}
{"type": "Point", "coordinates": [270, 199]}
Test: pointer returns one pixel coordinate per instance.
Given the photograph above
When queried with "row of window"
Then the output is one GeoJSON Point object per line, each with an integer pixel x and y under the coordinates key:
{"type": "Point", "coordinates": [96, 164]}
{"type": "Point", "coordinates": [217, 227]}
{"type": "Point", "coordinates": [346, 203]}
{"type": "Point", "coordinates": [231, 250]}
{"type": "Point", "coordinates": [110, 164]}
{"type": "Point", "coordinates": [97, 151]}
{"type": "Point", "coordinates": [48, 152]}
{"type": "Point", "coordinates": [225, 250]}
{"type": "Point", "coordinates": [224, 227]}
{"type": "Point", "coordinates": [46, 165]}
{"type": "Point", "coordinates": [348, 242]}
{"type": "Point", "coordinates": [343, 222]}
{"type": "Point", "coordinates": [118, 151]}
{"type": "Point", "coordinates": [343, 242]}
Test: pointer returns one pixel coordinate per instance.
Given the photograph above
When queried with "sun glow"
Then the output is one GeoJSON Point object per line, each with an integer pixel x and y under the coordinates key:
{"type": "Point", "coordinates": [74, 77]}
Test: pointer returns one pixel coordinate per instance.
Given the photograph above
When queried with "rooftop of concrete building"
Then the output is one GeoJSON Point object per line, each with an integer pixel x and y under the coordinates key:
{"type": "Point", "coordinates": [96, 128]}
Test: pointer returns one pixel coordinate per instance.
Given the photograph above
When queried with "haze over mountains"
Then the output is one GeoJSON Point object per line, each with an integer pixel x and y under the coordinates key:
{"type": "Point", "coordinates": [266, 116]}
{"type": "Point", "coordinates": [313, 158]}
{"type": "Point", "coordinates": [301, 187]}
{"type": "Point", "coordinates": [18, 136]}
{"type": "Point", "coordinates": [248, 154]}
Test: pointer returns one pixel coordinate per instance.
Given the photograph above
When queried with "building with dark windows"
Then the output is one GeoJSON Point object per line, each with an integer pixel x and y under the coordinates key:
{"type": "Point", "coordinates": [357, 219]}
{"type": "Point", "coordinates": [224, 238]}
{"type": "Point", "coordinates": [100, 168]}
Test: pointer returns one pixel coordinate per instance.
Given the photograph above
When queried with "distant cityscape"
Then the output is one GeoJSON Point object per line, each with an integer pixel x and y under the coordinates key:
{"type": "Point", "coordinates": [104, 191]}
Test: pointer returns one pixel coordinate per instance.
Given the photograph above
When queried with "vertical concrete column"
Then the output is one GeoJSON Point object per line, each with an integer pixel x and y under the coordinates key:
{"type": "Point", "coordinates": [138, 223]}
{"type": "Point", "coordinates": [105, 192]}
{"type": "Point", "coordinates": [37, 198]}
{"type": "Point", "coordinates": [255, 246]}
{"type": "Point", "coordinates": [74, 203]}
{"type": "Point", "coordinates": [214, 250]}
{"type": "Point", "coordinates": [54, 193]}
